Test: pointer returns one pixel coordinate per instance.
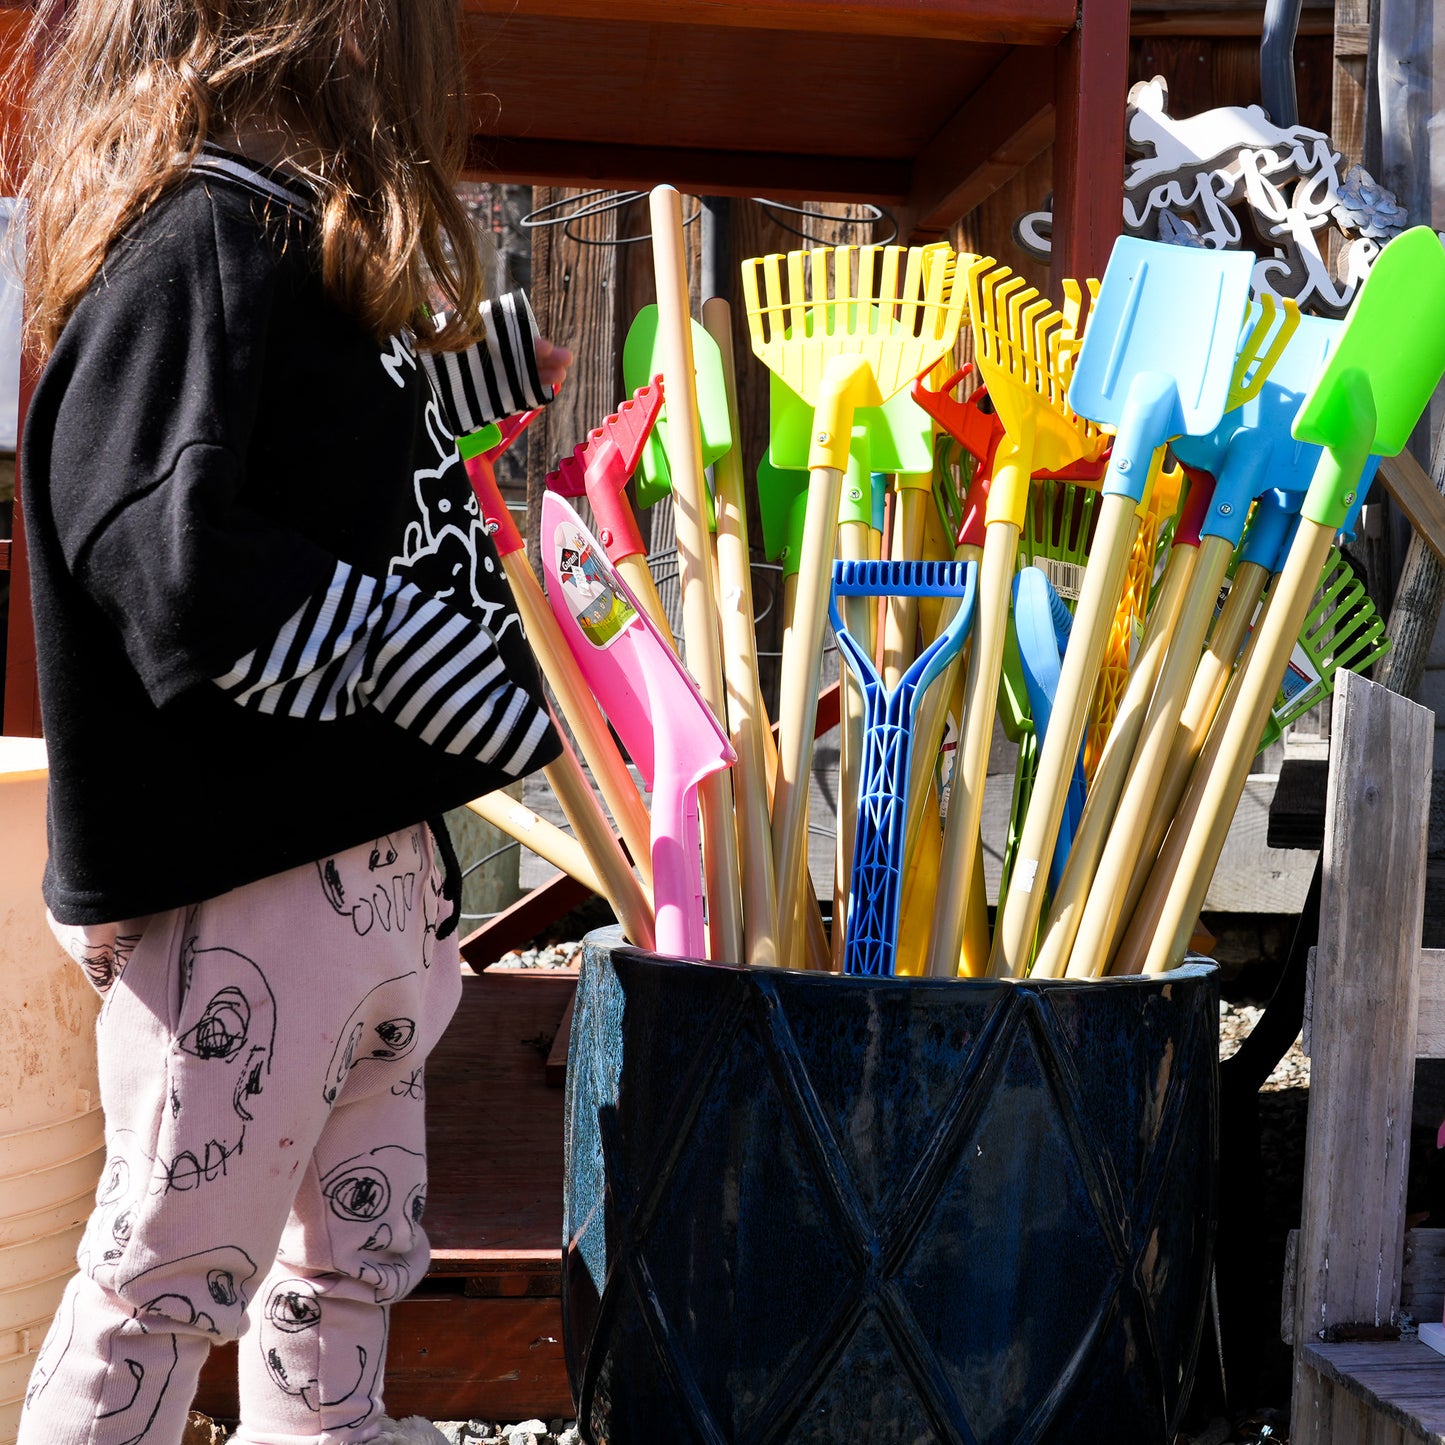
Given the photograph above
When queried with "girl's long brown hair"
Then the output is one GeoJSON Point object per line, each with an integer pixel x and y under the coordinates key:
{"type": "Point", "coordinates": [126, 91]}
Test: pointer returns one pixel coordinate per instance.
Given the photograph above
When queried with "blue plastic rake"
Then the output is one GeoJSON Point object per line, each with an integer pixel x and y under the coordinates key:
{"type": "Point", "coordinates": [890, 715]}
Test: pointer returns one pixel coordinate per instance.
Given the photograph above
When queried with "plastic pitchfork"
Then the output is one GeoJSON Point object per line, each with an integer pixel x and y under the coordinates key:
{"type": "Point", "coordinates": [599, 469]}
{"type": "Point", "coordinates": [889, 718]}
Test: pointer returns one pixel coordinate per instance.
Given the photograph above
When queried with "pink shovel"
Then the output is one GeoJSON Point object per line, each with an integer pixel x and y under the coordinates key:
{"type": "Point", "coordinates": [653, 703]}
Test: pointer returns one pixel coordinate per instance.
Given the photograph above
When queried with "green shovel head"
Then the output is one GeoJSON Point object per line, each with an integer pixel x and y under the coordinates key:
{"type": "Point", "coordinates": [900, 433]}
{"type": "Point", "coordinates": [782, 492]}
{"type": "Point", "coordinates": [1385, 366]}
{"type": "Point", "coordinates": [641, 361]}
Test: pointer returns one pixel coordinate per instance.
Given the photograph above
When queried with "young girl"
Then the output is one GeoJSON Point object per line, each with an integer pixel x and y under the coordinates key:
{"type": "Point", "coordinates": [273, 640]}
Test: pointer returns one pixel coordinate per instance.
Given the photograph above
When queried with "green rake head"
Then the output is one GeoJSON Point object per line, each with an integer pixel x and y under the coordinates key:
{"type": "Point", "coordinates": [1343, 632]}
{"type": "Point", "coordinates": [850, 327]}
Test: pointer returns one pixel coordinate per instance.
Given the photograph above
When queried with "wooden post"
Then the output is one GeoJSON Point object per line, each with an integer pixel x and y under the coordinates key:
{"type": "Point", "coordinates": [1090, 89]}
{"type": "Point", "coordinates": [1362, 1046]}
{"type": "Point", "coordinates": [574, 297]}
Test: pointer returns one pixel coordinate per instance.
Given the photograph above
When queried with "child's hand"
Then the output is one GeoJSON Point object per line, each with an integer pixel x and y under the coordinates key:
{"type": "Point", "coordinates": [552, 362]}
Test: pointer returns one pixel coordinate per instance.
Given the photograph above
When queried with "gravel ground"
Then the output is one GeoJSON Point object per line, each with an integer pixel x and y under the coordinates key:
{"type": "Point", "coordinates": [529, 1432]}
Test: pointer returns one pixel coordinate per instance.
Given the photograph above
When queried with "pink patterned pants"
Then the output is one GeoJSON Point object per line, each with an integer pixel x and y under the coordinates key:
{"type": "Point", "coordinates": [261, 1069]}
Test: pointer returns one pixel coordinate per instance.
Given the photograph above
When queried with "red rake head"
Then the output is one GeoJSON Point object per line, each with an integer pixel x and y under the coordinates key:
{"type": "Point", "coordinates": [602, 466]}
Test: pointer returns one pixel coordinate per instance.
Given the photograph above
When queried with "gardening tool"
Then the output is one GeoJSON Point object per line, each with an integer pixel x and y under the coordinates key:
{"type": "Point", "coordinates": [1262, 556]}
{"type": "Point", "coordinates": [1264, 544]}
{"type": "Point", "coordinates": [479, 452]}
{"type": "Point", "coordinates": [600, 469]}
{"type": "Point", "coordinates": [642, 359]}
{"type": "Point", "coordinates": [1157, 361]}
{"type": "Point", "coordinates": [653, 703]}
{"type": "Point", "coordinates": [838, 351]}
{"type": "Point", "coordinates": [892, 438]}
{"type": "Point", "coordinates": [1113, 758]}
{"type": "Point", "coordinates": [745, 719]}
{"type": "Point", "coordinates": [1251, 442]}
{"type": "Point", "coordinates": [695, 562]}
{"type": "Point", "coordinates": [1369, 397]}
{"type": "Point", "coordinates": [877, 887]}
{"type": "Point", "coordinates": [1024, 353]}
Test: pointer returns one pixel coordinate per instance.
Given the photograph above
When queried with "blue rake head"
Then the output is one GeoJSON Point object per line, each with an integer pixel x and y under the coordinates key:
{"type": "Point", "coordinates": [876, 892]}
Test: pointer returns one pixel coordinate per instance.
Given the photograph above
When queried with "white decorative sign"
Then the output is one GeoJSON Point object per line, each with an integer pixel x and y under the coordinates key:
{"type": "Point", "coordinates": [1231, 178]}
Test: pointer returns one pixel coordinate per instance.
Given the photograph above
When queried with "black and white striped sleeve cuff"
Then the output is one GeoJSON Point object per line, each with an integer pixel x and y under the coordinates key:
{"type": "Point", "coordinates": [492, 378]}
{"type": "Point", "coordinates": [383, 644]}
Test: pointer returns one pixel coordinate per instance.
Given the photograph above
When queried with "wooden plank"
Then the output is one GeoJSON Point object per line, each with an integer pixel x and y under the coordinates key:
{"type": "Point", "coordinates": [1090, 81]}
{"type": "Point", "coordinates": [1422, 1281]}
{"type": "Point", "coordinates": [1364, 1019]}
{"type": "Point", "coordinates": [1349, 1419]}
{"type": "Point", "coordinates": [1012, 22]}
{"type": "Point", "coordinates": [518, 925]}
{"type": "Point", "coordinates": [694, 170]}
{"type": "Point", "coordinates": [494, 1128]}
{"type": "Point", "coordinates": [1347, 107]}
{"type": "Point", "coordinates": [1411, 489]}
{"type": "Point", "coordinates": [1403, 1379]}
{"type": "Point", "coordinates": [1211, 24]}
{"type": "Point", "coordinates": [1297, 810]}
{"type": "Point", "coordinates": [557, 1057]}
{"type": "Point", "coordinates": [1430, 1028]}
{"type": "Point", "coordinates": [450, 1358]}
{"type": "Point", "coordinates": [1002, 126]}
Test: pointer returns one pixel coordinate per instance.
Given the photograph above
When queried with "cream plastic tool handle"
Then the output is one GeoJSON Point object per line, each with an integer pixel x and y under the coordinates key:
{"type": "Point", "coordinates": [580, 709]}
{"type": "Point", "coordinates": [620, 885]}
{"type": "Point", "coordinates": [545, 839]}
{"type": "Point", "coordinates": [802, 664]}
{"type": "Point", "coordinates": [694, 557]}
{"type": "Point", "coordinates": [970, 766]}
{"type": "Point", "coordinates": [746, 725]}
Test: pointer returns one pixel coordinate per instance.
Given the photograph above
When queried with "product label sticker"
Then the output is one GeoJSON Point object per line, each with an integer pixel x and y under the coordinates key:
{"type": "Point", "coordinates": [601, 611]}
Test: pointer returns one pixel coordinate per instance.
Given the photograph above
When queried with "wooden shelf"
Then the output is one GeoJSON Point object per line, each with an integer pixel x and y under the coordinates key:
{"type": "Point", "coordinates": [926, 106]}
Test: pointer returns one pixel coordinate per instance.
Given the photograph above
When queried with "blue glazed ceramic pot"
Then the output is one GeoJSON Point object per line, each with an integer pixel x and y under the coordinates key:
{"type": "Point", "coordinates": [810, 1208]}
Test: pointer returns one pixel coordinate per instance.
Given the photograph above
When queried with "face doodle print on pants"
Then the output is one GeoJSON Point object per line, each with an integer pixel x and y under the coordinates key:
{"type": "Point", "coordinates": [376, 886]}
{"type": "Point", "coordinates": [222, 1052]}
{"type": "Point", "coordinates": [381, 1027]}
{"type": "Point", "coordinates": [376, 1202]}
{"type": "Point", "coordinates": [289, 1337]}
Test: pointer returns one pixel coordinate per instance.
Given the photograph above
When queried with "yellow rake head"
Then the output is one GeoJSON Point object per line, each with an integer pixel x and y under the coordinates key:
{"type": "Point", "coordinates": [897, 310]}
{"type": "Point", "coordinates": [1025, 351]}
{"type": "Point", "coordinates": [1262, 346]}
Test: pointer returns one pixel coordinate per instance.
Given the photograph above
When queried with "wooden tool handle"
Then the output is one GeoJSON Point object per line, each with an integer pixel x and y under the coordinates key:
{"type": "Point", "coordinates": [802, 663]}
{"type": "Point", "coordinates": [970, 759]}
{"type": "Point", "coordinates": [545, 839]}
{"type": "Point", "coordinates": [1098, 932]}
{"type": "Point", "coordinates": [1200, 708]}
{"type": "Point", "coordinates": [1112, 771]}
{"type": "Point", "coordinates": [694, 561]}
{"type": "Point", "coordinates": [1294, 591]}
{"type": "Point", "coordinates": [1143, 919]}
{"type": "Point", "coordinates": [579, 708]}
{"type": "Point", "coordinates": [745, 723]}
{"type": "Point", "coordinates": [619, 883]}
{"type": "Point", "coordinates": [1019, 911]}
{"type": "Point", "coordinates": [634, 571]}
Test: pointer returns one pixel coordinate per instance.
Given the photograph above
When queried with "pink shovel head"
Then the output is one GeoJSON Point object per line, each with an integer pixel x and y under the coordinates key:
{"type": "Point", "coordinates": [653, 703]}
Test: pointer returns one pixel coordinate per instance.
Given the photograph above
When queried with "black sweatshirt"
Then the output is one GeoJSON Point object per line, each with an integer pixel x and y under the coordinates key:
{"type": "Point", "coordinates": [215, 460]}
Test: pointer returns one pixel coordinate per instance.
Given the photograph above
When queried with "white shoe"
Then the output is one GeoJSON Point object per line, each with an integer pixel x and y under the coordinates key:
{"type": "Point", "coordinates": [414, 1430]}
